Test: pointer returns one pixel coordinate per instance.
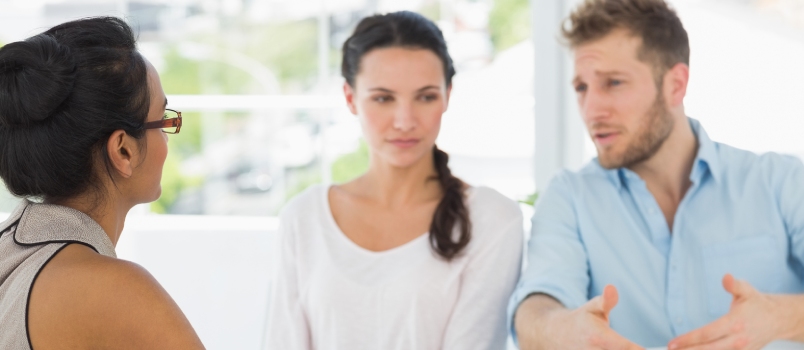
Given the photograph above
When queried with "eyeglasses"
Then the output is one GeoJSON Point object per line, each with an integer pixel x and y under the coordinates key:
{"type": "Point", "coordinates": [170, 123]}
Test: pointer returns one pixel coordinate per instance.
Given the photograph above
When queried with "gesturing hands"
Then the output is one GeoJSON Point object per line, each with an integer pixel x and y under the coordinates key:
{"type": "Point", "coordinates": [586, 327]}
{"type": "Point", "coordinates": [598, 334]}
{"type": "Point", "coordinates": [754, 320]}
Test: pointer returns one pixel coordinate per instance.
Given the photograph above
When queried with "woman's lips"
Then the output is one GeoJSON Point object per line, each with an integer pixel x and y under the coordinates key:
{"type": "Point", "coordinates": [404, 143]}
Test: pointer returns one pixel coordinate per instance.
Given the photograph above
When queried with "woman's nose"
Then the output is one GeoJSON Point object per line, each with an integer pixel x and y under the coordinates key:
{"type": "Point", "coordinates": [404, 118]}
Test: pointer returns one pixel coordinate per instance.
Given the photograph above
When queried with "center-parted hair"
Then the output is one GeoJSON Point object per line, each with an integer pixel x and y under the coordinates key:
{"type": "Point", "coordinates": [410, 30]}
{"type": "Point", "coordinates": [62, 94]}
{"type": "Point", "coordinates": [664, 39]}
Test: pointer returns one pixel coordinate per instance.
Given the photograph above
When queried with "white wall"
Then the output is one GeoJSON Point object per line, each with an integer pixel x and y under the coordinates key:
{"type": "Point", "coordinates": [217, 269]}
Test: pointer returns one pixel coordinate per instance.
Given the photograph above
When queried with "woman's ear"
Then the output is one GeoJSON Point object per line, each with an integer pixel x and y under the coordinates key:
{"type": "Point", "coordinates": [349, 93]}
{"type": "Point", "coordinates": [121, 151]}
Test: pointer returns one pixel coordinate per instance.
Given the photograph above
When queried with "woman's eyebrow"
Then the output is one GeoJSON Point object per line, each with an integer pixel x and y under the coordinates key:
{"type": "Point", "coordinates": [428, 87]}
{"type": "Point", "coordinates": [381, 89]}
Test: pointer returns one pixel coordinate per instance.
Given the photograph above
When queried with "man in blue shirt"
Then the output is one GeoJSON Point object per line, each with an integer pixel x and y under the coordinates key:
{"type": "Point", "coordinates": [667, 238]}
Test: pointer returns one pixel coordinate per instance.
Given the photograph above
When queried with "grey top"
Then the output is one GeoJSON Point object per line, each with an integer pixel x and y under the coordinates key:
{"type": "Point", "coordinates": [29, 238]}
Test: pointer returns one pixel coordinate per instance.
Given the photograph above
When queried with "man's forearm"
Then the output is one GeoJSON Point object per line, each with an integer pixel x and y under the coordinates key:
{"type": "Point", "coordinates": [531, 318]}
{"type": "Point", "coordinates": [792, 308]}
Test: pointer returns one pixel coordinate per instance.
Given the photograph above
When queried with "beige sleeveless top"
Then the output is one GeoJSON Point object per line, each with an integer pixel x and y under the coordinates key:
{"type": "Point", "coordinates": [31, 236]}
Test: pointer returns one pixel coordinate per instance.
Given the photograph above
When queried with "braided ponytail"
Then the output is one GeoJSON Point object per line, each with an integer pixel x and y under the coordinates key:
{"type": "Point", "coordinates": [412, 30]}
{"type": "Point", "coordinates": [451, 211]}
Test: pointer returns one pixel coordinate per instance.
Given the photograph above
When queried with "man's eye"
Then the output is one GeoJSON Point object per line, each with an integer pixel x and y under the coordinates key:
{"type": "Point", "coordinates": [580, 88]}
{"type": "Point", "coordinates": [615, 82]}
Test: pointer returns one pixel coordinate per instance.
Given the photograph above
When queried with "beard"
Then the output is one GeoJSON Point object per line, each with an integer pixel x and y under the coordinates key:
{"type": "Point", "coordinates": [649, 137]}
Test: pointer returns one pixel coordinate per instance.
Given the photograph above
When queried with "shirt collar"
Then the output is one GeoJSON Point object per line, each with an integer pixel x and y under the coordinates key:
{"type": "Point", "coordinates": [707, 158]}
{"type": "Point", "coordinates": [706, 161]}
{"type": "Point", "coordinates": [34, 224]}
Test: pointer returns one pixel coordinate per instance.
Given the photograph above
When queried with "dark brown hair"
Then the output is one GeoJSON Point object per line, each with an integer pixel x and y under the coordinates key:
{"type": "Point", "coordinates": [664, 40]}
{"type": "Point", "coordinates": [408, 29]}
{"type": "Point", "coordinates": [62, 94]}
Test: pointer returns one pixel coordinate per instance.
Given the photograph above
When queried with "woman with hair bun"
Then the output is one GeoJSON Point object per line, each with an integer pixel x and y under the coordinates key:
{"type": "Point", "coordinates": [82, 140]}
{"type": "Point", "coordinates": [406, 256]}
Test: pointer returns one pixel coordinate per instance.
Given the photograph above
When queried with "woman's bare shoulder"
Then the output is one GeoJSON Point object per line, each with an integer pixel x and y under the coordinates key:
{"type": "Point", "coordinates": [83, 299]}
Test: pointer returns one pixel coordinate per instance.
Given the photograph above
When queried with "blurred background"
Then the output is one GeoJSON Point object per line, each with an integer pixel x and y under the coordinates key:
{"type": "Point", "coordinates": [259, 85]}
{"type": "Point", "coordinates": [258, 82]}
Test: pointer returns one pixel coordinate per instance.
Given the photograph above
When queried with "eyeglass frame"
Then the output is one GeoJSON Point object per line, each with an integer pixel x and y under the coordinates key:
{"type": "Point", "coordinates": [165, 123]}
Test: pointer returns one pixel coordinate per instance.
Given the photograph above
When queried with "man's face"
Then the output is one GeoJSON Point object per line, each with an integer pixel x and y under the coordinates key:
{"type": "Point", "coordinates": [620, 100]}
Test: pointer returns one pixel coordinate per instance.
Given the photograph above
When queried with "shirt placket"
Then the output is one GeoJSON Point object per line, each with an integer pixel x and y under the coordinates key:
{"type": "Point", "coordinates": [651, 213]}
{"type": "Point", "coordinates": [676, 286]}
{"type": "Point", "coordinates": [676, 308]}
{"type": "Point", "coordinates": [669, 244]}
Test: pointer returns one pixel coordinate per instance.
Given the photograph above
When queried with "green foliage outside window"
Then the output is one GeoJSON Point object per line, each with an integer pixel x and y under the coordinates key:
{"type": "Point", "coordinates": [345, 168]}
{"type": "Point", "coordinates": [180, 146]}
{"type": "Point", "coordinates": [352, 165]}
{"type": "Point", "coordinates": [530, 199]}
{"type": "Point", "coordinates": [288, 49]}
{"type": "Point", "coordinates": [509, 23]}
{"type": "Point", "coordinates": [431, 10]}
{"type": "Point", "coordinates": [301, 179]}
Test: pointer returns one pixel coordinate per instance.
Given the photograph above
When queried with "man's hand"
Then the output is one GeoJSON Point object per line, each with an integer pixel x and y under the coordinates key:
{"type": "Point", "coordinates": [754, 320]}
{"type": "Point", "coordinates": [584, 328]}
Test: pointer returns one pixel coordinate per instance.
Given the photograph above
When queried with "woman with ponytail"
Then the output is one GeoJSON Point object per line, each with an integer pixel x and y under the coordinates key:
{"type": "Point", "coordinates": [406, 256]}
{"type": "Point", "coordinates": [83, 138]}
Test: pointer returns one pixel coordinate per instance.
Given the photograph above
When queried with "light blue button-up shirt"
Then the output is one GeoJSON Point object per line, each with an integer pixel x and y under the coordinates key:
{"type": "Point", "coordinates": [744, 215]}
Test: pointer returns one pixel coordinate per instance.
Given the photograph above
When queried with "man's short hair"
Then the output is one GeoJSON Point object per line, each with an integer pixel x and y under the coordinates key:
{"type": "Point", "coordinates": [664, 40]}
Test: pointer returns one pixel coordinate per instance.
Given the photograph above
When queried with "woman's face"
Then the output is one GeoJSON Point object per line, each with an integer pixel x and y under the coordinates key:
{"type": "Point", "coordinates": [148, 173]}
{"type": "Point", "coordinates": [399, 97]}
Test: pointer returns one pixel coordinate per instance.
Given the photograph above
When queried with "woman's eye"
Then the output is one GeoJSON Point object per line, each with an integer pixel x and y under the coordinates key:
{"type": "Point", "coordinates": [615, 82]}
{"type": "Point", "coordinates": [382, 99]}
{"type": "Point", "coordinates": [580, 88]}
{"type": "Point", "coordinates": [429, 98]}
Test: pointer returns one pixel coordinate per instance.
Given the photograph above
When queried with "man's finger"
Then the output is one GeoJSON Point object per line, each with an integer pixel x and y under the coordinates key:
{"type": "Point", "coordinates": [610, 340]}
{"type": "Point", "coordinates": [736, 287]}
{"type": "Point", "coordinates": [601, 305]}
{"type": "Point", "coordinates": [712, 332]}
{"type": "Point", "coordinates": [610, 299]}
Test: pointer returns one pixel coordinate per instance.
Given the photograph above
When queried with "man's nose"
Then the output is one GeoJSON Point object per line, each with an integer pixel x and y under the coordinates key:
{"type": "Point", "coordinates": [595, 105]}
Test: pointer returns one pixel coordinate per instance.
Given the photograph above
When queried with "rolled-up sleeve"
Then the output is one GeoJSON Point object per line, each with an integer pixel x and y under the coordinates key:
{"type": "Point", "coordinates": [790, 191]}
{"type": "Point", "coordinates": [556, 259]}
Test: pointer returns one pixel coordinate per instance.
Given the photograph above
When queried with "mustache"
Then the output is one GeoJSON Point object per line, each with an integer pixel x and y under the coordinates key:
{"type": "Point", "coordinates": [598, 127]}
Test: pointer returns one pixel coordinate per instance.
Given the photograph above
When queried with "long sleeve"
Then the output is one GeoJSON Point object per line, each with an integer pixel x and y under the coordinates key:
{"type": "Point", "coordinates": [556, 259]}
{"type": "Point", "coordinates": [287, 327]}
{"type": "Point", "coordinates": [479, 318]}
{"type": "Point", "coordinates": [791, 204]}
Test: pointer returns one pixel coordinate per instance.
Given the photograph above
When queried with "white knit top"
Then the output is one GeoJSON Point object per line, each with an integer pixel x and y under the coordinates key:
{"type": "Point", "coordinates": [330, 293]}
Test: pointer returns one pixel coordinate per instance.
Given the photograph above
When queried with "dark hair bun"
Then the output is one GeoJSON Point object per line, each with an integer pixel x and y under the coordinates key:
{"type": "Point", "coordinates": [62, 94]}
{"type": "Point", "coordinates": [36, 77]}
